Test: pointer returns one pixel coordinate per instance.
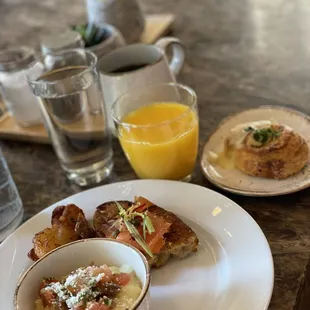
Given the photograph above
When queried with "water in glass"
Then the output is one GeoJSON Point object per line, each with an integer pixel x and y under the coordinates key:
{"type": "Point", "coordinates": [11, 208]}
{"type": "Point", "coordinates": [72, 106]}
{"type": "Point", "coordinates": [14, 88]}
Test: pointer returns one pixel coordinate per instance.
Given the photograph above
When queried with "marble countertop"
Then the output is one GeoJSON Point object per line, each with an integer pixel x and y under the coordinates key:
{"type": "Point", "coordinates": [240, 54]}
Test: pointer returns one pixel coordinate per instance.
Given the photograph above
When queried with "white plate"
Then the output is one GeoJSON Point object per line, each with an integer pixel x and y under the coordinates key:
{"type": "Point", "coordinates": [232, 270]}
{"type": "Point", "coordinates": [237, 182]}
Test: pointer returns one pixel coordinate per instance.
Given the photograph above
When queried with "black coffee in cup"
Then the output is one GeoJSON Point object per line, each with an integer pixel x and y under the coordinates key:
{"type": "Point", "coordinates": [128, 68]}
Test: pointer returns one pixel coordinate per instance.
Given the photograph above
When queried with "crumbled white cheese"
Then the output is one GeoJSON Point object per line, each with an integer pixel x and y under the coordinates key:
{"type": "Point", "coordinates": [84, 294]}
{"type": "Point", "coordinates": [71, 280]}
{"type": "Point", "coordinates": [73, 300]}
{"type": "Point", "coordinates": [59, 289]}
{"type": "Point", "coordinates": [99, 277]}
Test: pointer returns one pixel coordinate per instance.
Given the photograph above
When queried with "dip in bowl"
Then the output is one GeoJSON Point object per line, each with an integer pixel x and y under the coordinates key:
{"type": "Point", "coordinates": [91, 274]}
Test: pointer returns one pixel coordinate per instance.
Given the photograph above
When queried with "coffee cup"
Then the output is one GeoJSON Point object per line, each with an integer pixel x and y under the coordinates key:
{"type": "Point", "coordinates": [138, 65]}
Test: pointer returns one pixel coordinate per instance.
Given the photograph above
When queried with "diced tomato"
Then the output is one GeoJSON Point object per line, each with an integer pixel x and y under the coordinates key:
{"type": "Point", "coordinates": [95, 271]}
{"type": "Point", "coordinates": [122, 279]}
{"type": "Point", "coordinates": [48, 297]}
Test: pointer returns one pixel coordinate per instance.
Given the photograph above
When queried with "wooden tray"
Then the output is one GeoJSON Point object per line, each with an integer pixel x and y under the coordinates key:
{"type": "Point", "coordinates": [156, 26]}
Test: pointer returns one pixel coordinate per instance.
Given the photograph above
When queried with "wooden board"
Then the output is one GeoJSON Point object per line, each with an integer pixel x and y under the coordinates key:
{"type": "Point", "coordinates": [156, 26]}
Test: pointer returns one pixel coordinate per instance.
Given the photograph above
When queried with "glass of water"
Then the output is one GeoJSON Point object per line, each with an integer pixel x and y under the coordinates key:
{"type": "Point", "coordinates": [19, 99]}
{"type": "Point", "coordinates": [72, 106]}
{"type": "Point", "coordinates": [11, 207]}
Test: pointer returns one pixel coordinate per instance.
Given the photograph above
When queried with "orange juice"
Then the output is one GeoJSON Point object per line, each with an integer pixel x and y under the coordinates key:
{"type": "Point", "coordinates": [163, 142]}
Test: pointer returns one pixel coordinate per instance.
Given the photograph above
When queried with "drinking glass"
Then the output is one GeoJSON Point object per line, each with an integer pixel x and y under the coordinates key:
{"type": "Point", "coordinates": [11, 207]}
{"type": "Point", "coordinates": [71, 102]}
{"type": "Point", "coordinates": [157, 127]}
{"type": "Point", "coordinates": [14, 88]}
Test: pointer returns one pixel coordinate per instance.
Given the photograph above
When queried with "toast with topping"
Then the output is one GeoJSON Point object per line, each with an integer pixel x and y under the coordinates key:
{"type": "Point", "coordinates": [161, 233]}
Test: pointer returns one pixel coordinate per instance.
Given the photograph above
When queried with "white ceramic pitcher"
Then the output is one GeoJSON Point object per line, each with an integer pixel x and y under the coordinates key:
{"type": "Point", "coordinates": [138, 65]}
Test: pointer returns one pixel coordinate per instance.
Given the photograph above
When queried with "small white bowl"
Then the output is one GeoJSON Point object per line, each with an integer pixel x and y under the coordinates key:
{"type": "Point", "coordinates": [70, 257]}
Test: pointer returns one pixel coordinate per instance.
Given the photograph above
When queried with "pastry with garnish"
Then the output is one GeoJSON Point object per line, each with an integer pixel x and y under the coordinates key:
{"type": "Point", "coordinates": [158, 233]}
{"type": "Point", "coordinates": [263, 149]}
{"type": "Point", "coordinates": [273, 151]}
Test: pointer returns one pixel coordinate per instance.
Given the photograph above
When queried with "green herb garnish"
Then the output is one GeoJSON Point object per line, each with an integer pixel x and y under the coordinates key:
{"type": "Point", "coordinates": [147, 223]}
{"type": "Point", "coordinates": [107, 301]}
{"type": "Point", "coordinates": [262, 136]}
{"type": "Point", "coordinates": [127, 218]}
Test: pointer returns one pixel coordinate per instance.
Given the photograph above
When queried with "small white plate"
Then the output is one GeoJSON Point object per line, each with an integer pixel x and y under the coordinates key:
{"type": "Point", "coordinates": [237, 182]}
{"type": "Point", "coordinates": [232, 270]}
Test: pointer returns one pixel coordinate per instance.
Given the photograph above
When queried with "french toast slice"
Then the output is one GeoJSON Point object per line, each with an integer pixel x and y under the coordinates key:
{"type": "Point", "coordinates": [180, 240]}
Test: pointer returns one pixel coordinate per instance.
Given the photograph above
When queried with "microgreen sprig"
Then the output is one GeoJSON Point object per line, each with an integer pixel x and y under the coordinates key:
{"type": "Point", "coordinates": [147, 225]}
{"type": "Point", "coordinates": [263, 135]}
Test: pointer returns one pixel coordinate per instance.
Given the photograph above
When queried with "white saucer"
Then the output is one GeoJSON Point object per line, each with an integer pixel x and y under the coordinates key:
{"type": "Point", "coordinates": [237, 182]}
{"type": "Point", "coordinates": [232, 270]}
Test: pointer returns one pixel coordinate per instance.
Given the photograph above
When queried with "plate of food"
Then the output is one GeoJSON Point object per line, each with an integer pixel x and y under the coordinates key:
{"type": "Point", "coordinates": [198, 244]}
{"type": "Point", "coordinates": [259, 152]}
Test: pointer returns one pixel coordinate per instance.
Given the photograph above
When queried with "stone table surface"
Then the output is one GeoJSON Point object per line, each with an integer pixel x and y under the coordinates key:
{"type": "Point", "coordinates": [240, 54]}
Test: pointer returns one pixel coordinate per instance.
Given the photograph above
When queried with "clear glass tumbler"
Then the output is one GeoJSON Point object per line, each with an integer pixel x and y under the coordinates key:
{"type": "Point", "coordinates": [19, 99]}
{"type": "Point", "coordinates": [158, 129]}
{"type": "Point", "coordinates": [11, 207]}
{"type": "Point", "coordinates": [71, 102]}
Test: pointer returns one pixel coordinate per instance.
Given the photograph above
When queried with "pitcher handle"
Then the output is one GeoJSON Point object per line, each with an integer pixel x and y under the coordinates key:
{"type": "Point", "coordinates": [178, 53]}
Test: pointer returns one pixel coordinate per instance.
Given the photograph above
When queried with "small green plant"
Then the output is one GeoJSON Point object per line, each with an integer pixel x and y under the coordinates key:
{"type": "Point", "coordinates": [91, 34]}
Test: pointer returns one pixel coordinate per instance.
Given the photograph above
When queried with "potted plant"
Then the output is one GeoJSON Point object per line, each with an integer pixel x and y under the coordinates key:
{"type": "Point", "coordinates": [100, 39]}
{"type": "Point", "coordinates": [125, 15]}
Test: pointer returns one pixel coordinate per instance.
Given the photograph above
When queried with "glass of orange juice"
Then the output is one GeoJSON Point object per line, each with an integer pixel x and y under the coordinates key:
{"type": "Point", "coordinates": [157, 127]}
